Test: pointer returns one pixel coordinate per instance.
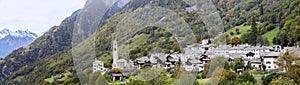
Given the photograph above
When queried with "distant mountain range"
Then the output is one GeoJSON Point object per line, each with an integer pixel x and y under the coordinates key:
{"type": "Point", "coordinates": [11, 40]}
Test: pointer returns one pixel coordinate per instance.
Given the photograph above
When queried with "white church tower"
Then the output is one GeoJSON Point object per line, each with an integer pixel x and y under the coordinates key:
{"type": "Point", "coordinates": [115, 53]}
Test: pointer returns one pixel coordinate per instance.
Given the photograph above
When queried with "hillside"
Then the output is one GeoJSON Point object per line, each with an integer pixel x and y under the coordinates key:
{"type": "Point", "coordinates": [51, 54]}
{"type": "Point", "coordinates": [57, 39]}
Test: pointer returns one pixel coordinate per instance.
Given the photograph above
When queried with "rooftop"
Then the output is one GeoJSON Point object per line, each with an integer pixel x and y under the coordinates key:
{"type": "Point", "coordinates": [97, 61]}
{"type": "Point", "coordinates": [270, 54]}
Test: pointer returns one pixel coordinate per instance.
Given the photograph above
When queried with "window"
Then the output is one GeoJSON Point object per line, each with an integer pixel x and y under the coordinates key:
{"type": "Point", "coordinates": [269, 66]}
{"type": "Point", "coordinates": [206, 48]}
{"type": "Point", "coordinates": [268, 62]}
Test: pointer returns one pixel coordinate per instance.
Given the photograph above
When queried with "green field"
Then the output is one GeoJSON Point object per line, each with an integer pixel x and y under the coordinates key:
{"type": "Point", "coordinates": [243, 29]}
{"type": "Point", "coordinates": [270, 35]}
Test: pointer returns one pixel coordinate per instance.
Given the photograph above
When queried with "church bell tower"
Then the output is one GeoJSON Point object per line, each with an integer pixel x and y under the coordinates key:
{"type": "Point", "coordinates": [115, 53]}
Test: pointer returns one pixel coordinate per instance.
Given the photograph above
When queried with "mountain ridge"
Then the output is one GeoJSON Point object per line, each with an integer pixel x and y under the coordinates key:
{"type": "Point", "coordinates": [17, 33]}
{"type": "Point", "coordinates": [12, 40]}
{"type": "Point", "coordinates": [48, 44]}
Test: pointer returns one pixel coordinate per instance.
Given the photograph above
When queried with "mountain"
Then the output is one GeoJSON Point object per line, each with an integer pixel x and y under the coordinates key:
{"type": "Point", "coordinates": [56, 41]}
{"type": "Point", "coordinates": [18, 33]}
{"type": "Point", "coordinates": [4, 33]}
{"type": "Point", "coordinates": [10, 40]}
{"type": "Point", "coordinates": [51, 54]}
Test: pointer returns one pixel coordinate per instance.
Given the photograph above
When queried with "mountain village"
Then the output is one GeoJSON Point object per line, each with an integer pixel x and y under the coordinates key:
{"type": "Point", "coordinates": [194, 58]}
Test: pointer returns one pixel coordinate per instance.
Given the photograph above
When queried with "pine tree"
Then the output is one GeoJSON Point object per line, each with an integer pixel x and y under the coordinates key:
{"type": "Point", "coordinates": [253, 25]}
{"type": "Point", "coordinates": [254, 32]}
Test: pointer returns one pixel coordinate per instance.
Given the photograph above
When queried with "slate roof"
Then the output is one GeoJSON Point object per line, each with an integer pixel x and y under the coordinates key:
{"type": "Point", "coordinates": [194, 61]}
{"type": "Point", "coordinates": [121, 60]}
{"type": "Point", "coordinates": [236, 55]}
{"type": "Point", "coordinates": [270, 54]}
{"type": "Point", "coordinates": [97, 61]}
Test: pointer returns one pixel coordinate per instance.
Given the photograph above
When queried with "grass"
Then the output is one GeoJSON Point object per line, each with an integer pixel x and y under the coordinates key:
{"type": "Point", "coordinates": [116, 83]}
{"type": "Point", "coordinates": [270, 35]}
{"type": "Point", "coordinates": [258, 78]}
{"type": "Point", "coordinates": [243, 29]}
{"type": "Point", "coordinates": [258, 74]}
{"type": "Point", "coordinates": [51, 80]}
{"type": "Point", "coordinates": [65, 76]}
{"type": "Point", "coordinates": [138, 40]}
{"type": "Point", "coordinates": [135, 42]}
{"type": "Point", "coordinates": [202, 81]}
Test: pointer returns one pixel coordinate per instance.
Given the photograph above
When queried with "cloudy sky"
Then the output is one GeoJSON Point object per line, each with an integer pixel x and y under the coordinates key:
{"type": "Point", "coordinates": [36, 15]}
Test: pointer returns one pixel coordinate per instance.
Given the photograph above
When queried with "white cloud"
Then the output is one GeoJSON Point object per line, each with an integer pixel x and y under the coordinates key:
{"type": "Point", "coordinates": [36, 15]}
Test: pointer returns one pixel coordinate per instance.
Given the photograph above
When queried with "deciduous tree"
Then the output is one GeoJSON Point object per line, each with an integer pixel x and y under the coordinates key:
{"type": "Point", "coordinates": [236, 41]}
{"type": "Point", "coordinates": [286, 60]}
{"type": "Point", "coordinates": [283, 81]}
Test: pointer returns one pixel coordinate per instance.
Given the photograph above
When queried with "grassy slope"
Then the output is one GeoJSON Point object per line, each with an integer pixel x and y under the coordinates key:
{"type": "Point", "coordinates": [243, 29]}
{"type": "Point", "coordinates": [270, 35]}
{"type": "Point", "coordinates": [136, 41]}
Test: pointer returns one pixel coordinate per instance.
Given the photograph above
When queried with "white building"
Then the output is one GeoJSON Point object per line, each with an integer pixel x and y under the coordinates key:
{"type": "Point", "coordinates": [98, 66]}
{"type": "Point", "coordinates": [269, 60]}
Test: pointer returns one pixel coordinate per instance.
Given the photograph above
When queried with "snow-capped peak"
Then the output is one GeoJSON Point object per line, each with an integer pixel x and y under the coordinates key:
{"type": "Point", "coordinates": [18, 33]}
{"type": "Point", "coordinates": [4, 33]}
